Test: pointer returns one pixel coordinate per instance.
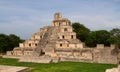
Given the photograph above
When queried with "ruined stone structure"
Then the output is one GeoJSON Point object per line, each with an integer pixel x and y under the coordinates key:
{"type": "Point", "coordinates": [60, 41]}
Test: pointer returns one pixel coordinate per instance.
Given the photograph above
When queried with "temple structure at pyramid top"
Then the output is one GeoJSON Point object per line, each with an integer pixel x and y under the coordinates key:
{"type": "Point", "coordinates": [59, 40]}
{"type": "Point", "coordinates": [59, 21]}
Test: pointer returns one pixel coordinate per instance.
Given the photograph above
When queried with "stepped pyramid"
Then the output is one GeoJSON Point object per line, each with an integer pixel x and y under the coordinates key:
{"type": "Point", "coordinates": [50, 39]}
{"type": "Point", "coordinates": [59, 42]}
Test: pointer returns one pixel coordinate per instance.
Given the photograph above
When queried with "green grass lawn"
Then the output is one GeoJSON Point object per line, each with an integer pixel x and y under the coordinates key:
{"type": "Point", "coordinates": [59, 67]}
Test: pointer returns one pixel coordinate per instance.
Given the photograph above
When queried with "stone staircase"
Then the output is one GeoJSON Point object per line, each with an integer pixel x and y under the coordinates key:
{"type": "Point", "coordinates": [47, 43]}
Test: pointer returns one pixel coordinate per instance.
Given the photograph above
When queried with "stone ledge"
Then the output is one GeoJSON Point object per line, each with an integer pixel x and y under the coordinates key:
{"type": "Point", "coordinates": [4, 68]}
{"type": "Point", "coordinates": [36, 60]}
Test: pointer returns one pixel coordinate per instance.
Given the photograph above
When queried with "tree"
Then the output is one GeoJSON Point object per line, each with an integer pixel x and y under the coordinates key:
{"type": "Point", "coordinates": [98, 37]}
{"type": "Point", "coordinates": [81, 31]}
{"type": "Point", "coordinates": [115, 36]}
{"type": "Point", "coordinates": [8, 42]}
{"type": "Point", "coordinates": [15, 40]}
{"type": "Point", "coordinates": [4, 43]}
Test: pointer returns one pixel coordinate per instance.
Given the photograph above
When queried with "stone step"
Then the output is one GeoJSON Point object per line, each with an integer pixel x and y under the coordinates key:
{"type": "Point", "coordinates": [36, 60]}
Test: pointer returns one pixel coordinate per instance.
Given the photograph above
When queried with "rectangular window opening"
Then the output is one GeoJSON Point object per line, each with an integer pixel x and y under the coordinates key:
{"type": "Point", "coordinates": [65, 29]}
{"type": "Point", "coordinates": [60, 45]}
{"type": "Point", "coordinates": [63, 37]}
{"type": "Point", "coordinates": [72, 37]}
{"type": "Point", "coordinates": [30, 45]}
{"type": "Point", "coordinates": [35, 44]}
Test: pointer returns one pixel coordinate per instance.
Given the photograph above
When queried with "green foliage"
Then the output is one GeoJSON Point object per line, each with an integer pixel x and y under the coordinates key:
{"type": "Point", "coordinates": [115, 36]}
{"type": "Point", "coordinates": [81, 31]}
{"type": "Point", "coordinates": [4, 42]}
{"type": "Point", "coordinates": [91, 38]}
{"type": "Point", "coordinates": [59, 67]}
{"type": "Point", "coordinates": [8, 42]}
{"type": "Point", "coordinates": [98, 37]}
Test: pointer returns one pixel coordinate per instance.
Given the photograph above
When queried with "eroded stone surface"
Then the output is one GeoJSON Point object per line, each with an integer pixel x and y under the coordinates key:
{"type": "Point", "coordinates": [12, 69]}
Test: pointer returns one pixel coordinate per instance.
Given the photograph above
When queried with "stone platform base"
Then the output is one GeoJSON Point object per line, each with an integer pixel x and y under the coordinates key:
{"type": "Point", "coordinates": [40, 59]}
{"type": "Point", "coordinates": [4, 68]}
{"type": "Point", "coordinates": [35, 59]}
{"type": "Point", "coordinates": [47, 59]}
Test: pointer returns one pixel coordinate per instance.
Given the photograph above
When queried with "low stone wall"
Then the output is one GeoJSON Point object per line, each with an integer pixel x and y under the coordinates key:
{"type": "Point", "coordinates": [75, 59]}
{"type": "Point", "coordinates": [35, 59]}
{"type": "Point", "coordinates": [11, 56]}
{"type": "Point", "coordinates": [55, 59]}
{"type": "Point", "coordinates": [41, 59]}
{"type": "Point", "coordinates": [104, 56]}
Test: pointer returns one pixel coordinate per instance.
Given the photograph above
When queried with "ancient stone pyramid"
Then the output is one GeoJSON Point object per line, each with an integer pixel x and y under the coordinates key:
{"type": "Point", "coordinates": [50, 38]}
{"type": "Point", "coordinates": [59, 41]}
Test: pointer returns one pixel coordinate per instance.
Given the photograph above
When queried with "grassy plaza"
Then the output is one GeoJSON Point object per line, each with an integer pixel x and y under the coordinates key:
{"type": "Point", "coordinates": [58, 67]}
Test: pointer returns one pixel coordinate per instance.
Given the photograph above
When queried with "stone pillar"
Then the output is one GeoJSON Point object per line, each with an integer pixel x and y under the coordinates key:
{"type": "Point", "coordinates": [112, 46]}
{"type": "Point", "coordinates": [100, 46]}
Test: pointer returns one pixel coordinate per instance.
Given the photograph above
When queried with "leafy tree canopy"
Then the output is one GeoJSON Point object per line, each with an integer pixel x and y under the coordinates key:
{"type": "Point", "coordinates": [115, 36]}
{"type": "Point", "coordinates": [8, 42]}
{"type": "Point", "coordinates": [81, 31]}
{"type": "Point", "coordinates": [91, 38]}
{"type": "Point", "coordinates": [98, 37]}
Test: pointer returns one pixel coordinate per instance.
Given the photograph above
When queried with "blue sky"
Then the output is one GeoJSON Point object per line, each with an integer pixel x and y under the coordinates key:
{"type": "Point", "coordinates": [25, 17]}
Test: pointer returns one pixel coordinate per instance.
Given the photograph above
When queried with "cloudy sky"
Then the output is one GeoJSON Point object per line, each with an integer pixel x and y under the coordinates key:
{"type": "Point", "coordinates": [25, 17]}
